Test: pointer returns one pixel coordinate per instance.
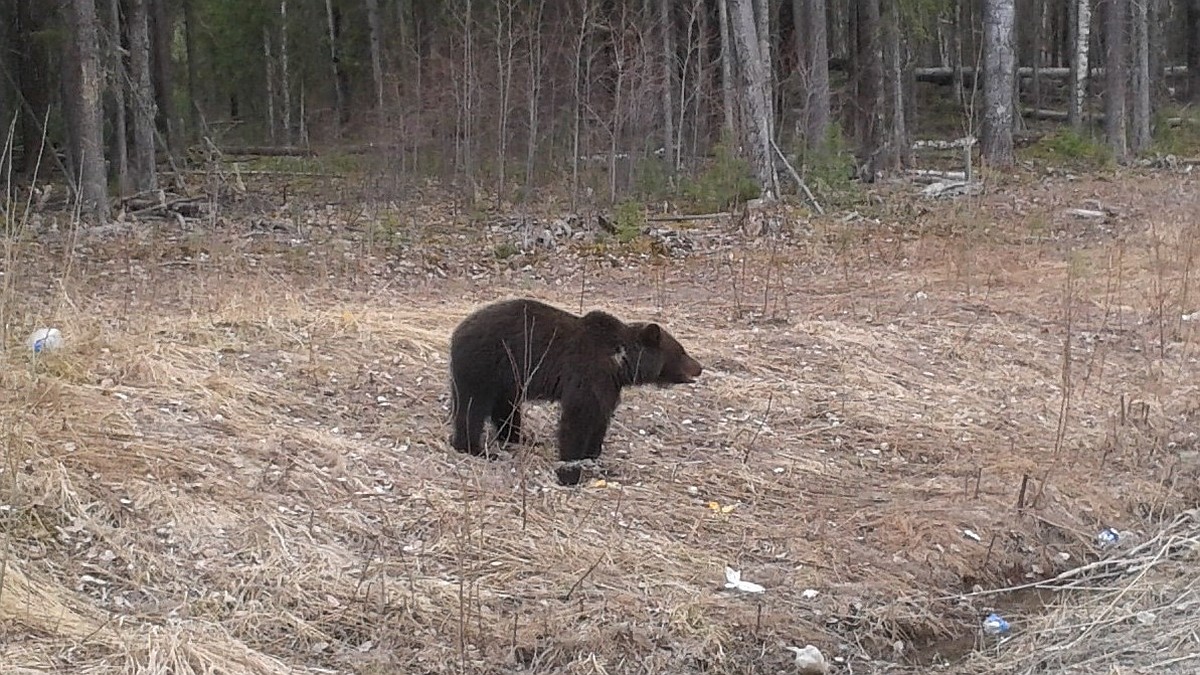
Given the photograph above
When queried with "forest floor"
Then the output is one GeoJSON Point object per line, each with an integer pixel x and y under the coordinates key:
{"type": "Point", "coordinates": [237, 462]}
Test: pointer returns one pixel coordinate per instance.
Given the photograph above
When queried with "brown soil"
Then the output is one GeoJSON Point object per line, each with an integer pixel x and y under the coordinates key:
{"type": "Point", "coordinates": [239, 459]}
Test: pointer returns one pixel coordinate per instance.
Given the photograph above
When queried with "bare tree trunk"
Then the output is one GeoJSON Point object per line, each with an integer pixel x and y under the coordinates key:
{"type": "Point", "coordinates": [505, 45]}
{"type": "Point", "coordinates": [620, 57]}
{"type": "Point", "coordinates": [1039, 16]}
{"type": "Point", "coordinates": [160, 70]}
{"type": "Point", "coordinates": [999, 59]}
{"type": "Point", "coordinates": [189, 39]}
{"type": "Point", "coordinates": [960, 24]}
{"type": "Point", "coordinates": [466, 111]}
{"type": "Point", "coordinates": [285, 94]}
{"type": "Point", "coordinates": [817, 110]}
{"type": "Point", "coordinates": [269, 63]}
{"type": "Point", "coordinates": [145, 174]}
{"type": "Point", "coordinates": [702, 114]}
{"type": "Point", "coordinates": [666, 27]}
{"type": "Point", "coordinates": [33, 80]}
{"type": "Point", "coordinates": [1160, 53]}
{"type": "Point", "coordinates": [869, 85]}
{"type": "Point", "coordinates": [1141, 76]}
{"type": "Point", "coordinates": [339, 96]}
{"type": "Point", "coordinates": [1080, 30]}
{"type": "Point", "coordinates": [117, 75]}
{"type": "Point", "coordinates": [897, 132]}
{"type": "Point", "coordinates": [753, 94]}
{"type": "Point", "coordinates": [762, 20]}
{"type": "Point", "coordinates": [1116, 70]}
{"type": "Point", "coordinates": [1192, 13]}
{"type": "Point", "coordinates": [93, 189]}
{"type": "Point", "coordinates": [534, 36]}
{"type": "Point", "coordinates": [376, 53]}
{"type": "Point", "coordinates": [727, 52]}
{"type": "Point", "coordinates": [582, 64]}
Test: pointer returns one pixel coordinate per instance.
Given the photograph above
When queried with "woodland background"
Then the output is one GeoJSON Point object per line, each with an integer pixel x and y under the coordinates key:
{"type": "Point", "coordinates": [620, 97]}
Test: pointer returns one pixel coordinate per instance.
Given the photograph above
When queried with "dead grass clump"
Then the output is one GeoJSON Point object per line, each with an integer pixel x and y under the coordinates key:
{"type": "Point", "coordinates": [1135, 611]}
{"type": "Point", "coordinates": [246, 469]}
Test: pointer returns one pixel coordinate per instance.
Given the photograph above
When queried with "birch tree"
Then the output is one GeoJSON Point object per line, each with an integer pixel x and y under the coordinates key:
{"type": "Point", "coordinates": [755, 111]}
{"type": "Point", "coordinates": [1081, 30]}
{"type": "Point", "coordinates": [999, 23]}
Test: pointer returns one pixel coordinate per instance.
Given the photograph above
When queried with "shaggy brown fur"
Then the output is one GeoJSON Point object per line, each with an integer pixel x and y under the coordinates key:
{"type": "Point", "coordinates": [517, 350]}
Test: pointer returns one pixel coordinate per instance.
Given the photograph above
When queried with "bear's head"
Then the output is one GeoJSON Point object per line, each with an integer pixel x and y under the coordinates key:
{"type": "Point", "coordinates": [656, 357]}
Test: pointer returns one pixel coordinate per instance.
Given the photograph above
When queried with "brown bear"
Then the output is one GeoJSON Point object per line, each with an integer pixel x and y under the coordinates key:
{"type": "Point", "coordinates": [518, 350]}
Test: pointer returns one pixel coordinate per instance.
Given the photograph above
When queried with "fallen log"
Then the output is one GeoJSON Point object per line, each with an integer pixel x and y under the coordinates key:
{"type": "Point", "coordinates": [269, 151]}
{"type": "Point", "coordinates": [945, 75]}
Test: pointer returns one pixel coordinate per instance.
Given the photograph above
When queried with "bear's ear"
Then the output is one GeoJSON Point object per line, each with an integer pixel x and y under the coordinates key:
{"type": "Point", "coordinates": [651, 335]}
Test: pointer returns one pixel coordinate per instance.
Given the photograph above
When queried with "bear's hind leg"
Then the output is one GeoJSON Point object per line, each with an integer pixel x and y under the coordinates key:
{"type": "Point", "coordinates": [506, 415]}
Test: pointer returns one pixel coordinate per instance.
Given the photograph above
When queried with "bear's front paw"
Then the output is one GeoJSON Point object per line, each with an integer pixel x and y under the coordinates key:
{"type": "Point", "coordinates": [571, 472]}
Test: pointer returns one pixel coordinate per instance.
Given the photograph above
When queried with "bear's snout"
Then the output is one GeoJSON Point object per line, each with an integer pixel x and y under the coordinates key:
{"type": "Point", "coordinates": [691, 370]}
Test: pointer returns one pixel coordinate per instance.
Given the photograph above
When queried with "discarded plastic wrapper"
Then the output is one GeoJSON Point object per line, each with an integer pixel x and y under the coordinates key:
{"type": "Point", "coordinates": [45, 339]}
{"type": "Point", "coordinates": [733, 579]}
{"type": "Point", "coordinates": [994, 624]}
{"type": "Point", "coordinates": [1108, 537]}
{"type": "Point", "coordinates": [809, 660]}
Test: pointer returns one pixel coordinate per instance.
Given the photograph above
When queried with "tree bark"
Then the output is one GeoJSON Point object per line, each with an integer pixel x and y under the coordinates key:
{"type": "Point", "coordinates": [1116, 71]}
{"type": "Point", "coordinates": [269, 65]}
{"type": "Point", "coordinates": [118, 75]}
{"type": "Point", "coordinates": [956, 54]}
{"type": "Point", "coordinates": [762, 21]}
{"type": "Point", "coordinates": [160, 73]}
{"type": "Point", "coordinates": [998, 35]}
{"type": "Point", "coordinates": [727, 52]}
{"type": "Point", "coordinates": [1193, 49]}
{"type": "Point", "coordinates": [667, 43]}
{"type": "Point", "coordinates": [376, 53]}
{"type": "Point", "coordinates": [339, 95]}
{"type": "Point", "coordinates": [285, 94]}
{"type": "Point", "coordinates": [1141, 76]}
{"type": "Point", "coordinates": [32, 80]}
{"type": "Point", "coordinates": [813, 55]}
{"type": "Point", "coordinates": [505, 46]}
{"type": "Point", "coordinates": [899, 145]}
{"type": "Point", "coordinates": [93, 189]}
{"type": "Point", "coordinates": [1081, 30]}
{"type": "Point", "coordinates": [868, 69]}
{"type": "Point", "coordinates": [189, 41]}
{"type": "Point", "coordinates": [755, 111]}
{"type": "Point", "coordinates": [534, 34]}
{"type": "Point", "coordinates": [145, 176]}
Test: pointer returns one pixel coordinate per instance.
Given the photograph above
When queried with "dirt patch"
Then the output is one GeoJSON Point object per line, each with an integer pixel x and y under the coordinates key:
{"type": "Point", "coordinates": [239, 460]}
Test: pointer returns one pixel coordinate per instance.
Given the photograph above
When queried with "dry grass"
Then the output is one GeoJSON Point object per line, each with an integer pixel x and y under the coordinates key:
{"type": "Point", "coordinates": [238, 464]}
{"type": "Point", "coordinates": [1134, 612]}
